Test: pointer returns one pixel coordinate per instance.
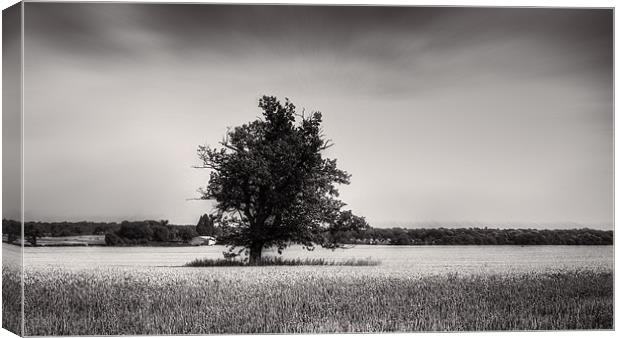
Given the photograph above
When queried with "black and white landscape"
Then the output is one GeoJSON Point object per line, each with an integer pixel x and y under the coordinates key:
{"type": "Point", "coordinates": [200, 169]}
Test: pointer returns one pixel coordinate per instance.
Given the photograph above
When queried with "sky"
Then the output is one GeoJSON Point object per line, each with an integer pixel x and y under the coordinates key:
{"type": "Point", "coordinates": [441, 115]}
{"type": "Point", "coordinates": [11, 116]}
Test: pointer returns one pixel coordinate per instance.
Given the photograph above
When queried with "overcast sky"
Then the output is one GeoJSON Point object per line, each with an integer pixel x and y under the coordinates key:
{"type": "Point", "coordinates": [11, 112]}
{"type": "Point", "coordinates": [439, 114]}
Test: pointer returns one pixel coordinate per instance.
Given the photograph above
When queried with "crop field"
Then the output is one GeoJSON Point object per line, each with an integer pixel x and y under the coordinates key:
{"type": "Point", "coordinates": [11, 299]}
{"type": "Point", "coordinates": [83, 240]}
{"type": "Point", "coordinates": [278, 299]}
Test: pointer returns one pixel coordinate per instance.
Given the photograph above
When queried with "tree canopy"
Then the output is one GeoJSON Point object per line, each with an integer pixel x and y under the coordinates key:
{"type": "Point", "coordinates": [205, 226]}
{"type": "Point", "coordinates": [272, 184]}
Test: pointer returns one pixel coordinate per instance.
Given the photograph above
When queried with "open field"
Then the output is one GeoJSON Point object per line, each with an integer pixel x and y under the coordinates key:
{"type": "Point", "coordinates": [413, 259]}
{"type": "Point", "coordinates": [72, 240]}
{"type": "Point", "coordinates": [142, 290]}
{"type": "Point", "coordinates": [279, 261]}
{"type": "Point", "coordinates": [308, 299]}
{"type": "Point", "coordinates": [82, 240]}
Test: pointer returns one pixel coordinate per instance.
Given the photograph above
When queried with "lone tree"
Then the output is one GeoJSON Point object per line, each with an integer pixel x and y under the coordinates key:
{"type": "Point", "coordinates": [272, 185]}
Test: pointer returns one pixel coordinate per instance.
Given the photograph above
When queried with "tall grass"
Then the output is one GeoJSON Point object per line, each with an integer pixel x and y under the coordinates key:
{"type": "Point", "coordinates": [307, 299]}
{"type": "Point", "coordinates": [11, 299]}
{"type": "Point", "coordinates": [279, 261]}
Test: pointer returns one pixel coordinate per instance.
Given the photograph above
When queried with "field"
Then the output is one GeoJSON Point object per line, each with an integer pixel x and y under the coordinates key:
{"type": "Point", "coordinates": [82, 240]}
{"type": "Point", "coordinates": [11, 299]}
{"type": "Point", "coordinates": [308, 299]}
{"type": "Point", "coordinates": [146, 290]}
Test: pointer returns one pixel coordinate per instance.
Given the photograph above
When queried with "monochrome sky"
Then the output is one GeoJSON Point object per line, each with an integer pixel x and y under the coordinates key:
{"type": "Point", "coordinates": [439, 114]}
{"type": "Point", "coordinates": [11, 112]}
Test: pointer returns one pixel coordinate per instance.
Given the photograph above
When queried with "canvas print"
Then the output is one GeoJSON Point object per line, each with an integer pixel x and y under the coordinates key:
{"type": "Point", "coordinates": [175, 169]}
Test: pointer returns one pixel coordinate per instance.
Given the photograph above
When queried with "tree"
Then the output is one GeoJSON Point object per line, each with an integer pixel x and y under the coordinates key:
{"type": "Point", "coordinates": [186, 233]}
{"type": "Point", "coordinates": [273, 187]}
{"type": "Point", "coordinates": [32, 232]}
{"type": "Point", "coordinates": [113, 239]}
{"type": "Point", "coordinates": [205, 226]}
{"type": "Point", "coordinates": [12, 228]}
{"type": "Point", "coordinates": [99, 230]}
{"type": "Point", "coordinates": [161, 233]}
{"type": "Point", "coordinates": [135, 231]}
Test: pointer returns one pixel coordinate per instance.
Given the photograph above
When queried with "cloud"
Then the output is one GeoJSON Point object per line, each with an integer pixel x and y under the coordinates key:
{"type": "Point", "coordinates": [439, 113]}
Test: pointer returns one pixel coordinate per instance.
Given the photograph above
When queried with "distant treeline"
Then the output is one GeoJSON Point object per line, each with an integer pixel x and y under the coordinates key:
{"type": "Point", "coordinates": [124, 233]}
{"type": "Point", "coordinates": [477, 236]}
{"type": "Point", "coordinates": [154, 232]}
{"type": "Point", "coordinates": [149, 232]}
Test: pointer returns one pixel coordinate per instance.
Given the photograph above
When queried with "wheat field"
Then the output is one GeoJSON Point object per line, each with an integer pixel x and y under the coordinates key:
{"type": "Point", "coordinates": [117, 301]}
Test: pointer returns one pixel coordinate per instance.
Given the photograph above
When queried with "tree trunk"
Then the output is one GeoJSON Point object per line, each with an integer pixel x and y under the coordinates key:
{"type": "Point", "coordinates": [256, 251]}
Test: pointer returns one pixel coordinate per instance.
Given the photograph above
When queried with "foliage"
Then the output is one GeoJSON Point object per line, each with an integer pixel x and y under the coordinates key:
{"type": "Point", "coordinates": [478, 236]}
{"type": "Point", "coordinates": [12, 228]}
{"type": "Point", "coordinates": [384, 236]}
{"type": "Point", "coordinates": [272, 184]}
{"type": "Point", "coordinates": [61, 229]}
{"type": "Point", "coordinates": [475, 236]}
{"type": "Point", "coordinates": [135, 231]}
{"type": "Point", "coordinates": [125, 233]}
{"type": "Point", "coordinates": [31, 233]}
{"type": "Point", "coordinates": [205, 226]}
{"type": "Point", "coordinates": [187, 233]}
{"type": "Point", "coordinates": [150, 232]}
{"type": "Point", "coordinates": [112, 239]}
{"type": "Point", "coordinates": [161, 233]}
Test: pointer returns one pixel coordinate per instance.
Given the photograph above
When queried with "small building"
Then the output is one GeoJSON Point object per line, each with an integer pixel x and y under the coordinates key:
{"type": "Point", "coordinates": [202, 240]}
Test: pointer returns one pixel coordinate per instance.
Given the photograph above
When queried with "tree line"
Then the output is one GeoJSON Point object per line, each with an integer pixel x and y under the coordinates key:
{"type": "Point", "coordinates": [154, 232]}
{"type": "Point", "coordinates": [123, 233]}
{"type": "Point", "coordinates": [477, 236]}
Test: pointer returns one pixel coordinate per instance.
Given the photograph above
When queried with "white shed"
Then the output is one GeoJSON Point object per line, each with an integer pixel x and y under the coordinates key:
{"type": "Point", "coordinates": [203, 240]}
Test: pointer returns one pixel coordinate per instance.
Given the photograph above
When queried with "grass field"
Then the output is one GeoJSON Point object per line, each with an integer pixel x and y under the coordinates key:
{"type": "Point", "coordinates": [307, 299]}
{"type": "Point", "coordinates": [11, 299]}
{"type": "Point", "coordinates": [267, 261]}
{"type": "Point", "coordinates": [82, 240]}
